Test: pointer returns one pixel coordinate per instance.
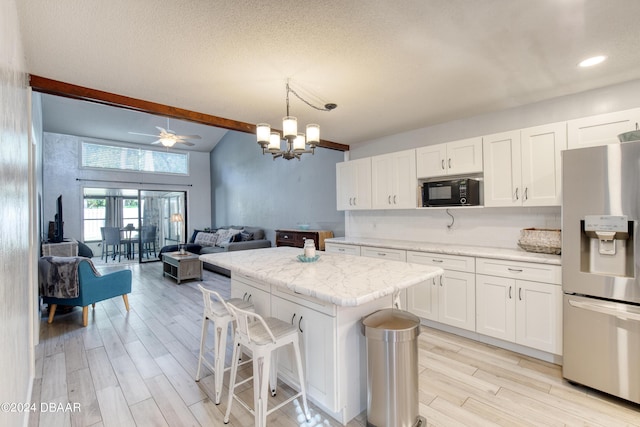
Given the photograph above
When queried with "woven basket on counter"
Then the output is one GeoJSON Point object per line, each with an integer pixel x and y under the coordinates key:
{"type": "Point", "coordinates": [541, 240]}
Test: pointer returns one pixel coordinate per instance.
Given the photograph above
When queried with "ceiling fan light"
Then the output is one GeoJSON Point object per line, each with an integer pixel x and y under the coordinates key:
{"type": "Point", "coordinates": [299, 142]}
{"type": "Point", "coordinates": [289, 127]}
{"type": "Point", "coordinates": [313, 134]}
{"type": "Point", "coordinates": [167, 142]}
{"type": "Point", "coordinates": [274, 142]}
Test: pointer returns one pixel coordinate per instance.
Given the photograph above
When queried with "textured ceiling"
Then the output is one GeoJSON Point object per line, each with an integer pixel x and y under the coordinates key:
{"type": "Point", "coordinates": [390, 66]}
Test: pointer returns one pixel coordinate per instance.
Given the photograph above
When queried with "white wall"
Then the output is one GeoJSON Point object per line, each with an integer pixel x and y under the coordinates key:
{"type": "Point", "coordinates": [61, 169]}
{"type": "Point", "coordinates": [16, 265]}
{"type": "Point", "coordinates": [498, 227]}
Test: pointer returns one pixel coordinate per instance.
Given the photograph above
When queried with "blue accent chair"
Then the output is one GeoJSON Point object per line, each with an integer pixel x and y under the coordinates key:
{"type": "Point", "coordinates": [93, 289]}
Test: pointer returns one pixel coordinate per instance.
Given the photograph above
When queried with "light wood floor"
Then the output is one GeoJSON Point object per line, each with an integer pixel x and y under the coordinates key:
{"type": "Point", "coordinates": [137, 369]}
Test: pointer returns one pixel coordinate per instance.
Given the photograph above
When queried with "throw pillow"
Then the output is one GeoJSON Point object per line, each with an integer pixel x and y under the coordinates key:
{"type": "Point", "coordinates": [206, 239]}
{"type": "Point", "coordinates": [246, 236]}
{"type": "Point", "coordinates": [224, 236]}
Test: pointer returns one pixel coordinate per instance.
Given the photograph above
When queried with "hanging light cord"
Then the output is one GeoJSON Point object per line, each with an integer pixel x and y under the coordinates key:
{"type": "Point", "coordinates": [327, 107]}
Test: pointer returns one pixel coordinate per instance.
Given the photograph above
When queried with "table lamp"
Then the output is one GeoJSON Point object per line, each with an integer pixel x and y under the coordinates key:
{"type": "Point", "coordinates": [177, 217]}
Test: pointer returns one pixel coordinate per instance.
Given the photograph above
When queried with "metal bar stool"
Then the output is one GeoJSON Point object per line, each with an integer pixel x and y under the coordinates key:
{"type": "Point", "coordinates": [262, 336]}
{"type": "Point", "coordinates": [216, 311]}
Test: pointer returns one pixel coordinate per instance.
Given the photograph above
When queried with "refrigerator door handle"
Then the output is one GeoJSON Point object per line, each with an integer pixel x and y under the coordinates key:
{"type": "Point", "coordinates": [604, 309]}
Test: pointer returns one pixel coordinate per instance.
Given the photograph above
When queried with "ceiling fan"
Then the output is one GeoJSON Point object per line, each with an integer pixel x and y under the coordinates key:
{"type": "Point", "coordinates": [169, 138]}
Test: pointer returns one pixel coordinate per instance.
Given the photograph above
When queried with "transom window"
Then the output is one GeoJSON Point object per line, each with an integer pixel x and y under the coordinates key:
{"type": "Point", "coordinates": [133, 159]}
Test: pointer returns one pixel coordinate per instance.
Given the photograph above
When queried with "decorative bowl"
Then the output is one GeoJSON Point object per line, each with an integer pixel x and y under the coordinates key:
{"type": "Point", "coordinates": [304, 226]}
{"type": "Point", "coordinates": [303, 258]}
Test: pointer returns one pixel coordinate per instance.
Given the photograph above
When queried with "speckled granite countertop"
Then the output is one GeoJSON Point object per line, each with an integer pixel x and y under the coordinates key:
{"type": "Point", "coordinates": [451, 249]}
{"type": "Point", "coordinates": [344, 280]}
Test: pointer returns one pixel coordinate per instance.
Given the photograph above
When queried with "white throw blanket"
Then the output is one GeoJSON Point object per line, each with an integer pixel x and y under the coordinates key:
{"type": "Point", "coordinates": [58, 276]}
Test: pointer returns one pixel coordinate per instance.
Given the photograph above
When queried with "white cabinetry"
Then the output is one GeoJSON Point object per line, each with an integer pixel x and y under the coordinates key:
{"type": "Point", "coordinates": [342, 248]}
{"type": "Point", "coordinates": [523, 167]}
{"type": "Point", "coordinates": [601, 129]}
{"type": "Point", "coordinates": [520, 302]}
{"type": "Point", "coordinates": [353, 184]}
{"type": "Point", "coordinates": [250, 290]}
{"type": "Point", "coordinates": [448, 299]}
{"type": "Point", "coordinates": [394, 184]}
{"type": "Point", "coordinates": [452, 158]}
{"type": "Point", "coordinates": [384, 253]}
{"type": "Point", "coordinates": [317, 331]}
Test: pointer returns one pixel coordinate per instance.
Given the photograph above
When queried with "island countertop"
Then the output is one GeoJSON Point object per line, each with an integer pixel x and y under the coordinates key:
{"type": "Point", "coordinates": [343, 280]}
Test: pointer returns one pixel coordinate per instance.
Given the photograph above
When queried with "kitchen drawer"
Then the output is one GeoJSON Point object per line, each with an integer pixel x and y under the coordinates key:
{"type": "Point", "coordinates": [534, 272]}
{"type": "Point", "coordinates": [341, 248]}
{"type": "Point", "coordinates": [447, 262]}
{"type": "Point", "coordinates": [306, 301]}
{"type": "Point", "coordinates": [384, 253]}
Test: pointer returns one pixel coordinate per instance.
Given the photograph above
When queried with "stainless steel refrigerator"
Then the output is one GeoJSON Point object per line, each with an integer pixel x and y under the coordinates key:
{"type": "Point", "coordinates": [600, 253]}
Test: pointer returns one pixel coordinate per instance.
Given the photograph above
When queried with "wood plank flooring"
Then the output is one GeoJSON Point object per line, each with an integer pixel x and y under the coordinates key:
{"type": "Point", "coordinates": [138, 369]}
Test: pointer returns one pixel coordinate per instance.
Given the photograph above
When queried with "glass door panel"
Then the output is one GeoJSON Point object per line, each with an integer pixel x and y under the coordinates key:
{"type": "Point", "coordinates": [156, 209]}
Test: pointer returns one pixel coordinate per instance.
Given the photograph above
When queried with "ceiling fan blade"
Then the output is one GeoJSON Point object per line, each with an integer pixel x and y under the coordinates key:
{"type": "Point", "coordinates": [142, 134]}
{"type": "Point", "coordinates": [187, 143]}
{"type": "Point", "coordinates": [163, 130]}
{"type": "Point", "coordinates": [189, 136]}
{"type": "Point", "coordinates": [155, 142]}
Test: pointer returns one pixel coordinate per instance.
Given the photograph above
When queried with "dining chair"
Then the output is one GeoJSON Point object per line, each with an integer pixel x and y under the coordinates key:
{"type": "Point", "coordinates": [112, 238]}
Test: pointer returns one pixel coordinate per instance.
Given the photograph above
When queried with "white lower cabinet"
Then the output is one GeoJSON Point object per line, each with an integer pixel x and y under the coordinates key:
{"type": "Point", "coordinates": [525, 312]}
{"type": "Point", "coordinates": [317, 345]}
{"type": "Point", "coordinates": [342, 248]}
{"type": "Point", "coordinates": [448, 299]}
{"type": "Point", "coordinates": [250, 290]}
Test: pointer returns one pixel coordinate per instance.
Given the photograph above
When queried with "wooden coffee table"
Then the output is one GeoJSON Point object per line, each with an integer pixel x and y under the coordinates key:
{"type": "Point", "coordinates": [181, 266]}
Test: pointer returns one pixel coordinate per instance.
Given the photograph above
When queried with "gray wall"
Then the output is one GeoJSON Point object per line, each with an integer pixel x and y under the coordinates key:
{"type": "Point", "coordinates": [17, 261]}
{"type": "Point", "coordinates": [251, 189]}
{"type": "Point", "coordinates": [62, 167]}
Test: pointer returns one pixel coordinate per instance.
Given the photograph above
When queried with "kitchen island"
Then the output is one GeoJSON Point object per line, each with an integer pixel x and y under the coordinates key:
{"type": "Point", "coordinates": [327, 300]}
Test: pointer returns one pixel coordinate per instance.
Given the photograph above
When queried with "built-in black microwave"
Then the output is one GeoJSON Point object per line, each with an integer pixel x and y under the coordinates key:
{"type": "Point", "coordinates": [454, 192]}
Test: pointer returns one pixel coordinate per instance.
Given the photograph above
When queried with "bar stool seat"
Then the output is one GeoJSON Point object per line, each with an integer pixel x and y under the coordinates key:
{"type": "Point", "coordinates": [262, 336]}
{"type": "Point", "coordinates": [217, 312]}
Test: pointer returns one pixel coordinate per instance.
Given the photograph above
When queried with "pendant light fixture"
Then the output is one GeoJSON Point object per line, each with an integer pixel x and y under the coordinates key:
{"type": "Point", "coordinates": [296, 142]}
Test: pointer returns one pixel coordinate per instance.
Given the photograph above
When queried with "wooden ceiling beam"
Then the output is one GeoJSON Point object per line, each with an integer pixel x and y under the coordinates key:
{"type": "Point", "coordinates": [68, 90]}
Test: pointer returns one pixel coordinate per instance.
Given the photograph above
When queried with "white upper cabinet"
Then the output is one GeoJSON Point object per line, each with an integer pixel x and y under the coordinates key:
{"type": "Point", "coordinates": [452, 158]}
{"type": "Point", "coordinates": [541, 148]}
{"type": "Point", "coordinates": [394, 184]}
{"type": "Point", "coordinates": [353, 184]}
{"type": "Point", "coordinates": [601, 129]}
{"type": "Point", "coordinates": [502, 169]}
{"type": "Point", "coordinates": [523, 167]}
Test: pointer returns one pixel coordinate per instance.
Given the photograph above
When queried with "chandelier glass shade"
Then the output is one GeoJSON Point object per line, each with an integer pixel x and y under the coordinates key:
{"type": "Point", "coordinates": [295, 142]}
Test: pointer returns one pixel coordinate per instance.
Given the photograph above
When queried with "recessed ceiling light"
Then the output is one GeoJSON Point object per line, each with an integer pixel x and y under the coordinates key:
{"type": "Point", "coordinates": [594, 60]}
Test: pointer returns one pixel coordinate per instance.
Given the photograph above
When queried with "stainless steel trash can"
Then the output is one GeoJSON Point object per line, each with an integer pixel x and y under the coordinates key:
{"type": "Point", "coordinates": [392, 368]}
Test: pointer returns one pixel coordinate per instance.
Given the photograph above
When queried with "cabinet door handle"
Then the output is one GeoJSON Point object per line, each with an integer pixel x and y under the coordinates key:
{"type": "Point", "coordinates": [382, 254]}
{"type": "Point", "coordinates": [341, 249]}
{"type": "Point", "coordinates": [440, 280]}
{"type": "Point", "coordinates": [389, 200]}
{"type": "Point", "coordinates": [442, 164]}
{"type": "Point", "coordinates": [437, 260]}
{"type": "Point", "coordinates": [514, 270]}
{"type": "Point", "coordinates": [517, 196]}
{"type": "Point", "coordinates": [434, 281]}
{"type": "Point", "coordinates": [249, 298]}
{"type": "Point", "coordinates": [449, 163]}
{"type": "Point", "coordinates": [526, 195]}
{"type": "Point", "coordinates": [354, 201]}
{"type": "Point", "coordinates": [244, 297]}
{"type": "Point", "coordinates": [300, 326]}
{"type": "Point", "coordinates": [520, 294]}
{"type": "Point", "coordinates": [510, 292]}
{"type": "Point", "coordinates": [394, 199]}
{"type": "Point", "coordinates": [293, 318]}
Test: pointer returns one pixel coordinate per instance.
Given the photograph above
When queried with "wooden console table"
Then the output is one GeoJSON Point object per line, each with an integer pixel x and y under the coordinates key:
{"type": "Point", "coordinates": [295, 238]}
{"type": "Point", "coordinates": [181, 266]}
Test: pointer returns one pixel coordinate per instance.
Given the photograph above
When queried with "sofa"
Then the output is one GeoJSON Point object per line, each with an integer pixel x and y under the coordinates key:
{"type": "Point", "coordinates": [223, 239]}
